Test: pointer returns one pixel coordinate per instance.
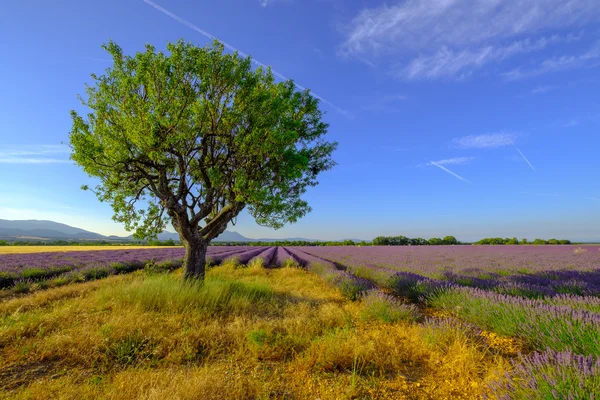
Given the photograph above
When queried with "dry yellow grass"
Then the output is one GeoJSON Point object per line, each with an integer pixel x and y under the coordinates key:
{"type": "Point", "coordinates": [248, 333]}
{"type": "Point", "coordinates": [58, 249]}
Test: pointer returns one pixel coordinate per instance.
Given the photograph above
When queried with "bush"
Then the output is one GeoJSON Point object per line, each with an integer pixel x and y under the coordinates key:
{"type": "Point", "coordinates": [379, 306]}
{"type": "Point", "coordinates": [7, 279]}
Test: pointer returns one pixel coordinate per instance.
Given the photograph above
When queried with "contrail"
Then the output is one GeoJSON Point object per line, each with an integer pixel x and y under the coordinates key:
{"type": "Point", "coordinates": [524, 158]}
{"type": "Point", "coordinates": [522, 155]}
{"type": "Point", "coordinates": [450, 172]}
{"type": "Point", "coordinates": [230, 47]}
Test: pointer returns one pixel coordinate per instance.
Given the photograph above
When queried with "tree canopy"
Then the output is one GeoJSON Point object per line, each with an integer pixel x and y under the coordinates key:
{"type": "Point", "coordinates": [193, 137]}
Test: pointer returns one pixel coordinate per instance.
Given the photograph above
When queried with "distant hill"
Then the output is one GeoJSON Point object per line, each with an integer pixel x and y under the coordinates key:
{"type": "Point", "coordinates": [44, 230]}
{"type": "Point", "coordinates": [50, 230]}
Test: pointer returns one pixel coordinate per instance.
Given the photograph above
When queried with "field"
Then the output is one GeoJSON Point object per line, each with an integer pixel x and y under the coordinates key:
{"type": "Point", "coordinates": [424, 322]}
{"type": "Point", "coordinates": [60, 249]}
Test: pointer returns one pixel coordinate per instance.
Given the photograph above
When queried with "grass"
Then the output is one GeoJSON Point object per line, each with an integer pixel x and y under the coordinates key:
{"type": "Point", "coordinates": [246, 333]}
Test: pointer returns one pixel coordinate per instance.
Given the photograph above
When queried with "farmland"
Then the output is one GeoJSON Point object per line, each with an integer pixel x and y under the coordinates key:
{"type": "Point", "coordinates": [304, 322]}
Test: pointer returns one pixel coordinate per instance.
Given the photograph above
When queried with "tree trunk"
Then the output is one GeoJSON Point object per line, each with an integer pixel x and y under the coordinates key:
{"type": "Point", "coordinates": [194, 263]}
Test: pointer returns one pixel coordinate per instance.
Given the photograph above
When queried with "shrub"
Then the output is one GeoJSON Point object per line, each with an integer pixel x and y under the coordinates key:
{"type": "Point", "coordinates": [129, 350]}
{"type": "Point", "coordinates": [22, 287]}
{"type": "Point", "coordinates": [7, 279]}
{"type": "Point", "coordinates": [379, 306]}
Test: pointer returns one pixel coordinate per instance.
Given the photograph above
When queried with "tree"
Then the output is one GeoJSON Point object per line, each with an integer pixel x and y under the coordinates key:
{"type": "Point", "coordinates": [449, 240]}
{"type": "Point", "coordinates": [435, 241]}
{"type": "Point", "coordinates": [195, 136]}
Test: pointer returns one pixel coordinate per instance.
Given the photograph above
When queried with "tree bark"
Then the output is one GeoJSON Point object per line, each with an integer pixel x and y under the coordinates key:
{"type": "Point", "coordinates": [194, 263]}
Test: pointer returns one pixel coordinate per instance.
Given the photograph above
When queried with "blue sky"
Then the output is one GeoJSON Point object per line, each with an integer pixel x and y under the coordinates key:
{"type": "Point", "coordinates": [465, 117]}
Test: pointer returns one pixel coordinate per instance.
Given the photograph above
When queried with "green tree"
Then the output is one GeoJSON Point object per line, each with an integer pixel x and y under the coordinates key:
{"type": "Point", "coordinates": [193, 137]}
{"type": "Point", "coordinates": [435, 241]}
{"type": "Point", "coordinates": [449, 240]}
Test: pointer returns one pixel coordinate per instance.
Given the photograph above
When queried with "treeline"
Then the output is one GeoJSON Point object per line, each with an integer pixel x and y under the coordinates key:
{"type": "Point", "coordinates": [514, 240]}
{"type": "Point", "coordinates": [405, 241]}
{"type": "Point", "coordinates": [291, 243]}
{"type": "Point", "coordinates": [378, 241]}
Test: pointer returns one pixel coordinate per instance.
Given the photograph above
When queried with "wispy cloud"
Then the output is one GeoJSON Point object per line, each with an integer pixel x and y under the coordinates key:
{"type": "Point", "coordinates": [454, 174]}
{"type": "Point", "coordinates": [592, 198]}
{"type": "Point", "coordinates": [455, 63]}
{"type": "Point", "coordinates": [542, 89]}
{"type": "Point", "coordinates": [34, 154]}
{"type": "Point", "coordinates": [541, 194]}
{"type": "Point", "coordinates": [429, 39]}
{"type": "Point", "coordinates": [490, 141]}
{"type": "Point", "coordinates": [487, 140]}
{"type": "Point", "coordinates": [590, 58]}
{"type": "Point", "coordinates": [230, 47]}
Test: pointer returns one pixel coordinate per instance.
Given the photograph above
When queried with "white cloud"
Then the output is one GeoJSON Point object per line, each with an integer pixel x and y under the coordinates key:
{"type": "Point", "coordinates": [447, 62]}
{"type": "Point", "coordinates": [542, 89]}
{"type": "Point", "coordinates": [488, 140]}
{"type": "Point", "coordinates": [590, 58]}
{"type": "Point", "coordinates": [453, 37]}
{"type": "Point", "coordinates": [34, 154]}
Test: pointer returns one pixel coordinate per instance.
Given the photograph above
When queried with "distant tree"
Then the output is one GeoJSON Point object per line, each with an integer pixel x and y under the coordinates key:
{"type": "Point", "coordinates": [553, 241]}
{"type": "Point", "coordinates": [3, 243]}
{"type": "Point", "coordinates": [540, 241]}
{"type": "Point", "coordinates": [435, 241]}
{"type": "Point", "coordinates": [523, 241]}
{"type": "Point", "coordinates": [564, 241]}
{"type": "Point", "coordinates": [381, 241]}
{"type": "Point", "coordinates": [449, 240]}
{"type": "Point", "coordinates": [195, 136]}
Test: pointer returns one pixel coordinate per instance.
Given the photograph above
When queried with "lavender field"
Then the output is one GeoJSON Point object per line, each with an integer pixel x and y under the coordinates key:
{"type": "Point", "coordinates": [547, 297]}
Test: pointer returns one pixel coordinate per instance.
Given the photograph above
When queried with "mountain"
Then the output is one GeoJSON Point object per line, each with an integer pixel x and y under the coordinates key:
{"type": "Point", "coordinates": [50, 230]}
{"type": "Point", "coordinates": [44, 229]}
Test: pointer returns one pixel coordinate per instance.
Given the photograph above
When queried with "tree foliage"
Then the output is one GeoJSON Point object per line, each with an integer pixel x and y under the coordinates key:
{"type": "Point", "coordinates": [195, 136]}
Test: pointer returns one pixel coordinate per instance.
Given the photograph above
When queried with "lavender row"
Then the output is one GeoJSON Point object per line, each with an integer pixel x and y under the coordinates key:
{"type": "Point", "coordinates": [559, 327]}
{"type": "Point", "coordinates": [352, 287]}
{"type": "Point", "coordinates": [267, 256]}
{"type": "Point", "coordinates": [541, 283]}
{"type": "Point", "coordinates": [282, 256]}
{"type": "Point", "coordinates": [93, 264]}
{"type": "Point", "coordinates": [472, 260]}
{"type": "Point", "coordinates": [550, 375]}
